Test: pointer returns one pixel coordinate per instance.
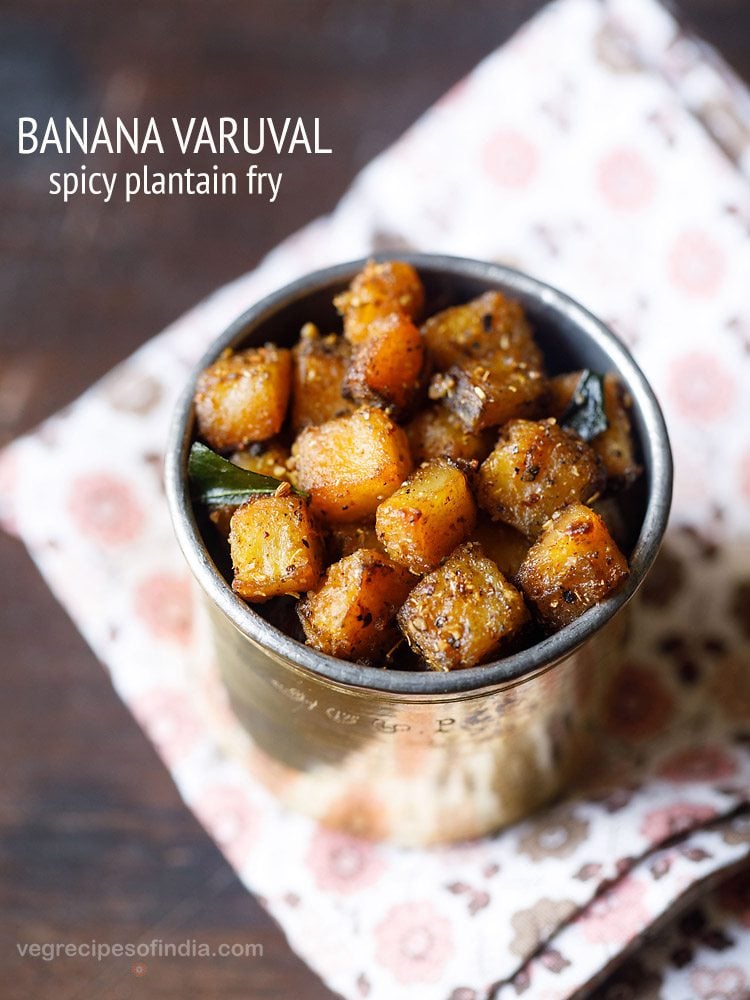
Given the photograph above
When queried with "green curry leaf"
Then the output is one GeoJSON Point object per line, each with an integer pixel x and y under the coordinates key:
{"type": "Point", "coordinates": [217, 482]}
{"type": "Point", "coordinates": [585, 412]}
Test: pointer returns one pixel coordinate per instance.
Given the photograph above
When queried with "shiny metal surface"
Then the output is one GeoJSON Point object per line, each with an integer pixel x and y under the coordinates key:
{"type": "Point", "coordinates": [416, 769]}
{"type": "Point", "coordinates": [423, 757]}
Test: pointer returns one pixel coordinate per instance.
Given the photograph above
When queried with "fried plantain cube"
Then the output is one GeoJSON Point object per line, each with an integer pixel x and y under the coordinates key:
{"type": "Point", "coordinates": [276, 546]}
{"type": "Point", "coordinates": [268, 458]}
{"type": "Point", "coordinates": [535, 468]}
{"type": "Point", "coordinates": [437, 433]}
{"type": "Point", "coordinates": [351, 464]}
{"type": "Point", "coordinates": [462, 613]}
{"type": "Point", "coordinates": [388, 368]}
{"type": "Point", "coordinates": [243, 397]}
{"type": "Point", "coordinates": [427, 517]}
{"type": "Point", "coordinates": [489, 325]}
{"type": "Point", "coordinates": [351, 615]}
{"type": "Point", "coordinates": [379, 289]}
{"type": "Point", "coordinates": [615, 446]}
{"type": "Point", "coordinates": [505, 546]}
{"type": "Point", "coordinates": [573, 565]}
{"type": "Point", "coordinates": [320, 364]}
{"type": "Point", "coordinates": [490, 392]}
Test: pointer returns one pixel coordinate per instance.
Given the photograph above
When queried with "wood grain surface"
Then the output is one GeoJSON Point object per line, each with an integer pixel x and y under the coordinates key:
{"type": "Point", "coordinates": [94, 841]}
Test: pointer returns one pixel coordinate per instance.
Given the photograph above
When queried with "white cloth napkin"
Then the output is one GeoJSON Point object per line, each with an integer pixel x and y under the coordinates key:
{"type": "Point", "coordinates": [606, 153]}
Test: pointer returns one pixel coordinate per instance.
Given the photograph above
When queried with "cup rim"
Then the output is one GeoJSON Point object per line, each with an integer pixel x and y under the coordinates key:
{"type": "Point", "coordinates": [515, 667]}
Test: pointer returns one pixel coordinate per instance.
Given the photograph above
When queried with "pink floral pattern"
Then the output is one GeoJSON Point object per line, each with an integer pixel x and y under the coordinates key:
{"type": "Point", "coordinates": [170, 719]}
{"type": "Point", "coordinates": [164, 603]}
{"type": "Point", "coordinates": [696, 264]}
{"type": "Point", "coordinates": [728, 983]}
{"type": "Point", "coordinates": [343, 864]}
{"type": "Point", "coordinates": [414, 942]}
{"type": "Point", "coordinates": [625, 180]}
{"type": "Point", "coordinates": [701, 387]}
{"type": "Point", "coordinates": [510, 158]}
{"type": "Point", "coordinates": [229, 818]}
{"type": "Point", "coordinates": [618, 915]}
{"type": "Point", "coordinates": [104, 508]}
{"type": "Point", "coordinates": [676, 818]}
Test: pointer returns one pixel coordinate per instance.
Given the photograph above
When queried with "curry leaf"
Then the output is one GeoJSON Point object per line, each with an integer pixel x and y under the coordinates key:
{"type": "Point", "coordinates": [217, 482]}
{"type": "Point", "coordinates": [585, 412]}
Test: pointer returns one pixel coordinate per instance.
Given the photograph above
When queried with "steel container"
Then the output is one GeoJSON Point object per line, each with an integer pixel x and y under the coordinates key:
{"type": "Point", "coordinates": [422, 757]}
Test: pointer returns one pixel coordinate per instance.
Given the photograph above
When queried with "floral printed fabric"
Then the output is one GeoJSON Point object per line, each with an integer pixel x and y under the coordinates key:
{"type": "Point", "coordinates": [703, 954]}
{"type": "Point", "coordinates": [608, 154]}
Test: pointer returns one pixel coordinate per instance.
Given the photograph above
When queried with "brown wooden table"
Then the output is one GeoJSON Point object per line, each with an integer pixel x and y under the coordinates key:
{"type": "Point", "coordinates": [95, 842]}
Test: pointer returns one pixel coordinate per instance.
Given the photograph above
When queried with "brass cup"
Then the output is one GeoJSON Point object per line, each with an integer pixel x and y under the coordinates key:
{"type": "Point", "coordinates": [422, 757]}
